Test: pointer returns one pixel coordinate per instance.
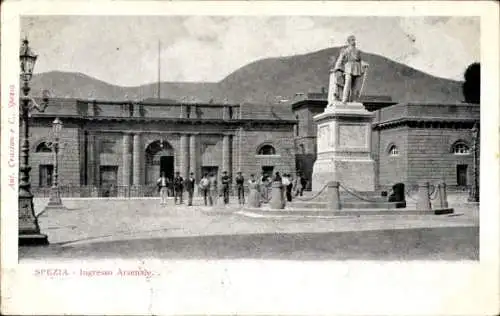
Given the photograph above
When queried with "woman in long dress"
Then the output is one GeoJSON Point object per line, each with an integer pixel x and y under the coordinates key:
{"type": "Point", "coordinates": [254, 194]}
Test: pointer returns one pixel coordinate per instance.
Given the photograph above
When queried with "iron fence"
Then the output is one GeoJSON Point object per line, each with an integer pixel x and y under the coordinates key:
{"type": "Point", "coordinates": [87, 191]}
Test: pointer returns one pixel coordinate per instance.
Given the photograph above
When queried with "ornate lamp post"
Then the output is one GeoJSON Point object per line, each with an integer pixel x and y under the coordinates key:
{"type": "Point", "coordinates": [474, 192]}
{"type": "Point", "coordinates": [29, 230]}
{"type": "Point", "coordinates": [55, 196]}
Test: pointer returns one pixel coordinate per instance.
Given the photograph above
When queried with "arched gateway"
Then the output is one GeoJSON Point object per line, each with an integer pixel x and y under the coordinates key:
{"type": "Point", "coordinates": [159, 158]}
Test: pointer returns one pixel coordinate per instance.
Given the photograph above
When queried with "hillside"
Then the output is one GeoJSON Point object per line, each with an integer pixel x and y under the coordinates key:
{"type": "Point", "coordinates": [263, 80]}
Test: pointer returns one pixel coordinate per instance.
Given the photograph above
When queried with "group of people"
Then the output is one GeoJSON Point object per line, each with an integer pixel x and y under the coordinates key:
{"type": "Point", "coordinates": [210, 190]}
{"type": "Point", "coordinates": [292, 187]}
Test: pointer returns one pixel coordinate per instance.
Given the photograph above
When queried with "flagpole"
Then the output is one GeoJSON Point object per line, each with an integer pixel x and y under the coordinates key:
{"type": "Point", "coordinates": [159, 69]}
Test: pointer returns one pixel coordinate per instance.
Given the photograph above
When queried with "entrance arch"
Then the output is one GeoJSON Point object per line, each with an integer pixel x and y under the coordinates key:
{"type": "Point", "coordinates": [159, 159]}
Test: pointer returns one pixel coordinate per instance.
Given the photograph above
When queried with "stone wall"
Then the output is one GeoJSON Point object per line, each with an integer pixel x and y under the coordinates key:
{"type": "Point", "coordinates": [393, 169]}
{"type": "Point", "coordinates": [280, 139]}
{"type": "Point", "coordinates": [69, 153]}
{"type": "Point", "coordinates": [430, 156]}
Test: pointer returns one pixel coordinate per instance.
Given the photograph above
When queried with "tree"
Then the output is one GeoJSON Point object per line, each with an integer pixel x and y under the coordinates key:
{"type": "Point", "coordinates": [471, 87]}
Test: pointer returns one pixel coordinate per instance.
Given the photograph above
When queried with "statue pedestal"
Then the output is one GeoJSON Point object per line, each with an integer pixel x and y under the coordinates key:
{"type": "Point", "coordinates": [344, 147]}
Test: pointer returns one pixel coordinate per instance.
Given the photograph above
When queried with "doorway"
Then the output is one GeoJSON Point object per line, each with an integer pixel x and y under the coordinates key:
{"type": "Point", "coordinates": [461, 175]}
{"type": "Point", "coordinates": [167, 166]}
{"type": "Point", "coordinates": [268, 171]}
{"type": "Point", "coordinates": [108, 180]}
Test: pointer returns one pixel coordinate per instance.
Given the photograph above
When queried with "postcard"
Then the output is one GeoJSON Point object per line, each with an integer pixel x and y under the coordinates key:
{"type": "Point", "coordinates": [268, 157]}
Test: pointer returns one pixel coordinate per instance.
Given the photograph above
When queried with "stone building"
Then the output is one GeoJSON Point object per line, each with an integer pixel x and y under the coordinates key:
{"type": "Point", "coordinates": [126, 145]}
{"type": "Point", "coordinates": [410, 141]}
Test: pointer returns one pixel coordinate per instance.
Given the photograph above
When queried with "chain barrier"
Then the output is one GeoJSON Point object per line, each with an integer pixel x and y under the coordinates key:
{"type": "Point", "coordinates": [434, 192]}
{"type": "Point", "coordinates": [313, 197]}
{"type": "Point", "coordinates": [351, 191]}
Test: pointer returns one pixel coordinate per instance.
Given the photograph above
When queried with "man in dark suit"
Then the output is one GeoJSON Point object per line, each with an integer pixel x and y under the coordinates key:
{"type": "Point", "coordinates": [190, 183]}
{"type": "Point", "coordinates": [240, 187]}
{"type": "Point", "coordinates": [178, 187]}
{"type": "Point", "coordinates": [226, 181]}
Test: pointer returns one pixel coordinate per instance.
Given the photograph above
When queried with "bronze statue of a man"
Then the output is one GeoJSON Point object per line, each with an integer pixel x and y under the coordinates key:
{"type": "Point", "coordinates": [349, 72]}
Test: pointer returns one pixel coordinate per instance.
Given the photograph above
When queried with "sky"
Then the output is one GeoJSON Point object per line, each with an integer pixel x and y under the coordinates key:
{"type": "Point", "coordinates": [123, 50]}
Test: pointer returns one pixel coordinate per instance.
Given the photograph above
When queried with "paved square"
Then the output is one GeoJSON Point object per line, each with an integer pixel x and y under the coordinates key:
{"type": "Point", "coordinates": [141, 228]}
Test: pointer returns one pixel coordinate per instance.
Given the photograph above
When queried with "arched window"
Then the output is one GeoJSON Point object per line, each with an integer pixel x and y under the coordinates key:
{"type": "Point", "coordinates": [393, 150]}
{"type": "Point", "coordinates": [460, 148]}
{"type": "Point", "coordinates": [43, 147]}
{"type": "Point", "coordinates": [267, 150]}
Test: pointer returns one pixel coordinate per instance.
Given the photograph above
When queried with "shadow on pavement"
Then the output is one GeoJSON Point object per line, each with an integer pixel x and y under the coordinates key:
{"type": "Point", "coordinates": [444, 243]}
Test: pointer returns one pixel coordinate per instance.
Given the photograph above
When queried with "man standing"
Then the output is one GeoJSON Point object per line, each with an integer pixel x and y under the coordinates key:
{"type": "Point", "coordinates": [298, 185]}
{"type": "Point", "coordinates": [178, 187]}
{"type": "Point", "coordinates": [205, 189]}
{"type": "Point", "coordinates": [162, 188]}
{"type": "Point", "coordinates": [285, 181]}
{"type": "Point", "coordinates": [226, 181]}
{"type": "Point", "coordinates": [353, 68]}
{"type": "Point", "coordinates": [190, 183]}
{"type": "Point", "coordinates": [240, 187]}
{"type": "Point", "coordinates": [290, 186]}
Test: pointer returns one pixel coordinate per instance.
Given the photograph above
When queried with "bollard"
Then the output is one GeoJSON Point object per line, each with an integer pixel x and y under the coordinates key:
{"type": "Point", "coordinates": [423, 201]}
{"type": "Point", "coordinates": [443, 196]}
{"type": "Point", "coordinates": [333, 196]}
{"type": "Point", "coordinates": [277, 196]}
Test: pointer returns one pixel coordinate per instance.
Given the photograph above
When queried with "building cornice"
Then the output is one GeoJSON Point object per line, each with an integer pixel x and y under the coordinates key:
{"type": "Point", "coordinates": [427, 122]}
{"type": "Point", "coordinates": [185, 121]}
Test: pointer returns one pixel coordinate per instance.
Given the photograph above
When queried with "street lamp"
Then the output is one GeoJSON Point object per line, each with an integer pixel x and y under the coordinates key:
{"type": "Point", "coordinates": [29, 230]}
{"type": "Point", "coordinates": [474, 192]}
{"type": "Point", "coordinates": [55, 196]}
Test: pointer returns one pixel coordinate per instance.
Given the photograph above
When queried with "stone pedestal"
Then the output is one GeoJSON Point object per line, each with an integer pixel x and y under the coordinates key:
{"type": "Point", "coordinates": [344, 147]}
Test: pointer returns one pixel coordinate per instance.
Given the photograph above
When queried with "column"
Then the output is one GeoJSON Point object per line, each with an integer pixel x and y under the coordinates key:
{"type": "Point", "coordinates": [137, 161]}
{"type": "Point", "coordinates": [227, 154]}
{"type": "Point", "coordinates": [193, 156]}
{"type": "Point", "coordinates": [240, 153]}
{"type": "Point", "coordinates": [126, 159]}
{"type": "Point", "coordinates": [184, 156]}
{"type": "Point", "coordinates": [90, 158]}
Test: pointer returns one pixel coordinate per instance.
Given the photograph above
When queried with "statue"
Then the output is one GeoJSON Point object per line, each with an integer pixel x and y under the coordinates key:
{"type": "Point", "coordinates": [348, 74]}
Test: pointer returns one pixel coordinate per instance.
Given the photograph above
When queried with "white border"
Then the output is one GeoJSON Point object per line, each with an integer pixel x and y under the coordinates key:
{"type": "Point", "coordinates": [271, 287]}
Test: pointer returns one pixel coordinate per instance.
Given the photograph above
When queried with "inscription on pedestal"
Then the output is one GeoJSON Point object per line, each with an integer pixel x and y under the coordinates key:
{"type": "Point", "coordinates": [324, 137]}
{"type": "Point", "coordinates": [352, 135]}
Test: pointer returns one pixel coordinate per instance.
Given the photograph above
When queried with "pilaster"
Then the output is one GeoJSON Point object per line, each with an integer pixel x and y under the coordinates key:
{"type": "Point", "coordinates": [227, 154]}
{"type": "Point", "coordinates": [137, 152]}
{"type": "Point", "coordinates": [127, 159]}
{"type": "Point", "coordinates": [184, 156]}
{"type": "Point", "coordinates": [194, 156]}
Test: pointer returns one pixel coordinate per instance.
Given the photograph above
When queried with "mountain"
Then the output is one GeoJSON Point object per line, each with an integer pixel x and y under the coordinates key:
{"type": "Point", "coordinates": [263, 80]}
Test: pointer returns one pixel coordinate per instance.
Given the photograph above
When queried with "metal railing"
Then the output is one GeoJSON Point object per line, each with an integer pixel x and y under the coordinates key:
{"type": "Point", "coordinates": [83, 191]}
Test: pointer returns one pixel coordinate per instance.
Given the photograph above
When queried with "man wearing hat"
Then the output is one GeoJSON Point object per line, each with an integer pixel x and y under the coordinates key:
{"type": "Point", "coordinates": [178, 187]}
{"type": "Point", "coordinates": [190, 183]}
{"type": "Point", "coordinates": [226, 181]}
{"type": "Point", "coordinates": [240, 188]}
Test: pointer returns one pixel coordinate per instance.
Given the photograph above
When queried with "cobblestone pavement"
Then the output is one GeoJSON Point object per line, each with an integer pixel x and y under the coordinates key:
{"type": "Point", "coordinates": [125, 227]}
